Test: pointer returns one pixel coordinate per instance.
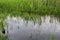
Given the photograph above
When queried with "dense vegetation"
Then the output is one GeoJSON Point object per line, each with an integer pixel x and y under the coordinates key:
{"type": "Point", "coordinates": [35, 6]}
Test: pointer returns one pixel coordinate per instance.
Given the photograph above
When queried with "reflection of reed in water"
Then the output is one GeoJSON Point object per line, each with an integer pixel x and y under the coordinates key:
{"type": "Point", "coordinates": [37, 28]}
{"type": "Point", "coordinates": [30, 37]}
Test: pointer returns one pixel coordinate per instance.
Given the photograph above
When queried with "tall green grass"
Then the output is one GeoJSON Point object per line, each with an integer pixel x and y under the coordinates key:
{"type": "Point", "coordinates": [36, 6]}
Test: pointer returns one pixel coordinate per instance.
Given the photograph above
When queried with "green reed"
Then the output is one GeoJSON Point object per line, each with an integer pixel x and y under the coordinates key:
{"type": "Point", "coordinates": [35, 6]}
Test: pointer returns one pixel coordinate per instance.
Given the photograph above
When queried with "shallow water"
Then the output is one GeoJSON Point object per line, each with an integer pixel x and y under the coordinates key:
{"type": "Point", "coordinates": [17, 28]}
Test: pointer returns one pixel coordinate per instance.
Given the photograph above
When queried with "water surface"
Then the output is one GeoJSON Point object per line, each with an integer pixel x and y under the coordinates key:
{"type": "Point", "coordinates": [47, 28]}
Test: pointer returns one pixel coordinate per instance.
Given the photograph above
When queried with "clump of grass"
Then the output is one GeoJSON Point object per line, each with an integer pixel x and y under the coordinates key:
{"type": "Point", "coordinates": [37, 6]}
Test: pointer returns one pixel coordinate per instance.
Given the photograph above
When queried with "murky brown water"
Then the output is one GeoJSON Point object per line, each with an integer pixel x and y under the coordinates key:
{"type": "Point", "coordinates": [48, 28]}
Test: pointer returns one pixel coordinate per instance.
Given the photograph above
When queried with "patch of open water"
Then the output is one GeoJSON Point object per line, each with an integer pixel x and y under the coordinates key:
{"type": "Point", "coordinates": [19, 29]}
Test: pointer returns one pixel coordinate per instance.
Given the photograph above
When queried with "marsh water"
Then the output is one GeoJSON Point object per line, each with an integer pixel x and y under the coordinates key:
{"type": "Point", "coordinates": [47, 28]}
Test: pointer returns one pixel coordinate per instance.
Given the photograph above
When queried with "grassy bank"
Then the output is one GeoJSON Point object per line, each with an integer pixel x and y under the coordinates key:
{"type": "Point", "coordinates": [34, 6]}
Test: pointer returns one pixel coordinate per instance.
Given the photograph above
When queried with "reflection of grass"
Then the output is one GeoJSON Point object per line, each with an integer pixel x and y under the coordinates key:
{"type": "Point", "coordinates": [51, 37]}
